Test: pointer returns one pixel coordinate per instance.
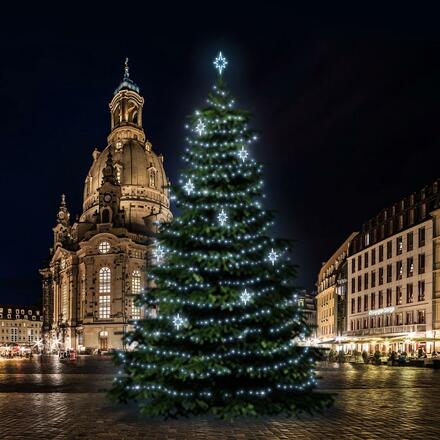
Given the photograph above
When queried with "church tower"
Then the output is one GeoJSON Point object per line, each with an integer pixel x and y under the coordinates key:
{"type": "Point", "coordinates": [99, 263]}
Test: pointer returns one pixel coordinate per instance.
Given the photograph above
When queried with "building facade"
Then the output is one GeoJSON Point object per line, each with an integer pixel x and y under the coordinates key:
{"type": "Point", "coordinates": [98, 264]}
{"type": "Point", "coordinates": [20, 325]}
{"type": "Point", "coordinates": [332, 295]}
{"type": "Point", "coordinates": [394, 278]}
{"type": "Point", "coordinates": [307, 301]}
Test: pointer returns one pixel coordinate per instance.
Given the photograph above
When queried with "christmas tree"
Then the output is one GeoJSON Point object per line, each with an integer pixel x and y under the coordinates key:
{"type": "Point", "coordinates": [228, 336]}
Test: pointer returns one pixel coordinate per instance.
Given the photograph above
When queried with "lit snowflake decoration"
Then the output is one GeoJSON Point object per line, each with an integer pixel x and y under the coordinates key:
{"type": "Point", "coordinates": [243, 154]}
{"type": "Point", "coordinates": [222, 217]}
{"type": "Point", "coordinates": [220, 63]}
{"type": "Point", "coordinates": [245, 297]}
{"type": "Point", "coordinates": [159, 253]}
{"type": "Point", "coordinates": [178, 321]}
{"type": "Point", "coordinates": [189, 187]}
{"type": "Point", "coordinates": [273, 256]}
{"type": "Point", "coordinates": [200, 127]}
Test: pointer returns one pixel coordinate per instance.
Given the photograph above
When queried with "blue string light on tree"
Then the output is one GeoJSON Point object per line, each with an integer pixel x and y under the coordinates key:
{"type": "Point", "coordinates": [227, 329]}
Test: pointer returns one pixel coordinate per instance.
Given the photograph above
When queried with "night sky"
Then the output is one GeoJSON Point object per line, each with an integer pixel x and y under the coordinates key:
{"type": "Point", "coordinates": [346, 103]}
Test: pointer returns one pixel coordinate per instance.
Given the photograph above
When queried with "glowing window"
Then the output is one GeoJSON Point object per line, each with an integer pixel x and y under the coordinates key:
{"type": "Point", "coordinates": [104, 280]}
{"type": "Point", "coordinates": [64, 301]}
{"type": "Point", "coordinates": [136, 282]}
{"type": "Point", "coordinates": [153, 179]}
{"type": "Point", "coordinates": [104, 306]}
{"type": "Point", "coordinates": [104, 247]}
{"type": "Point", "coordinates": [135, 310]}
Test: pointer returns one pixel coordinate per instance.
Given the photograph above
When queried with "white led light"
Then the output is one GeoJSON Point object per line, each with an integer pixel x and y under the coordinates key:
{"type": "Point", "coordinates": [220, 63]}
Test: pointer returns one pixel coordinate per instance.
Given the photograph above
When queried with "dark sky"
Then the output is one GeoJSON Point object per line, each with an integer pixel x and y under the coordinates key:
{"type": "Point", "coordinates": [346, 101]}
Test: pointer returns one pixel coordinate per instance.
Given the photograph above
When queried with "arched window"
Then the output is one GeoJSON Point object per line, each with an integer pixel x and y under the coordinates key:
{"type": "Point", "coordinates": [136, 282]}
{"type": "Point", "coordinates": [90, 184]}
{"type": "Point", "coordinates": [132, 112]}
{"type": "Point", "coordinates": [64, 300]}
{"type": "Point", "coordinates": [118, 172]}
{"type": "Point", "coordinates": [105, 216]}
{"type": "Point", "coordinates": [153, 178]}
{"type": "Point", "coordinates": [104, 280]}
{"type": "Point", "coordinates": [116, 116]}
{"type": "Point", "coordinates": [136, 287]}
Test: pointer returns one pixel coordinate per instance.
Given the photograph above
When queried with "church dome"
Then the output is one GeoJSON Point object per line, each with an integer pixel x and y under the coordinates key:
{"type": "Point", "coordinates": [138, 169]}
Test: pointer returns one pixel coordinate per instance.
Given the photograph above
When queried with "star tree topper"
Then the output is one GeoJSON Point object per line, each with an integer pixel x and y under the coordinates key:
{"type": "Point", "coordinates": [220, 63]}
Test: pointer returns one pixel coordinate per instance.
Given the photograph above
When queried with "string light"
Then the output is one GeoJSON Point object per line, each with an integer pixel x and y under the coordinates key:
{"type": "Point", "coordinates": [222, 310]}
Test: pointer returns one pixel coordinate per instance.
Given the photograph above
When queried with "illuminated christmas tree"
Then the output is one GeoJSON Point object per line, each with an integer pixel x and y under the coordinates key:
{"type": "Point", "coordinates": [228, 335]}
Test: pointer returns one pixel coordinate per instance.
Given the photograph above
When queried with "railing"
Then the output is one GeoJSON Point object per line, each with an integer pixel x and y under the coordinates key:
{"type": "Point", "coordinates": [387, 330]}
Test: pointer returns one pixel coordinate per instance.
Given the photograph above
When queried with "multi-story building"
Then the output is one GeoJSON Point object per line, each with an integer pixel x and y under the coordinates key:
{"type": "Point", "coordinates": [394, 277]}
{"type": "Point", "coordinates": [20, 325]}
{"type": "Point", "coordinates": [307, 301]}
{"type": "Point", "coordinates": [332, 294]}
{"type": "Point", "coordinates": [98, 265]}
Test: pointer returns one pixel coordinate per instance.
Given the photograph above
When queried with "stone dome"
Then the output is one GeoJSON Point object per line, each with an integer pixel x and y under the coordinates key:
{"type": "Point", "coordinates": [140, 172]}
{"type": "Point", "coordinates": [141, 175]}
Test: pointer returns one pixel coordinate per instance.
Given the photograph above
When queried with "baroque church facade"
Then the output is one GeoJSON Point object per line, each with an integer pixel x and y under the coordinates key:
{"type": "Point", "coordinates": [98, 264]}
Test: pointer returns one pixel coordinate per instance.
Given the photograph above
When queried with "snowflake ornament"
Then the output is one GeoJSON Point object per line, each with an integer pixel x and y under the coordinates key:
{"type": "Point", "coordinates": [159, 253]}
{"type": "Point", "coordinates": [178, 321]}
{"type": "Point", "coordinates": [245, 297]}
{"type": "Point", "coordinates": [273, 256]}
{"type": "Point", "coordinates": [222, 217]}
{"type": "Point", "coordinates": [243, 154]}
{"type": "Point", "coordinates": [189, 187]}
{"type": "Point", "coordinates": [220, 63]}
{"type": "Point", "coordinates": [200, 127]}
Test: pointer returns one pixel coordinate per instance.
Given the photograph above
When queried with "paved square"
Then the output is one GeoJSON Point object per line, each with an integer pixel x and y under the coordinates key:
{"type": "Point", "coordinates": [69, 402]}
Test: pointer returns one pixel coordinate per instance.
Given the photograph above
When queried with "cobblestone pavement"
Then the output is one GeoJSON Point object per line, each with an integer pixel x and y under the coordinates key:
{"type": "Point", "coordinates": [372, 403]}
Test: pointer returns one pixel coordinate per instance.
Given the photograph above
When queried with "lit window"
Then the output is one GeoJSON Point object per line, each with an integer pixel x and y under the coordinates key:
{"type": "Point", "coordinates": [104, 247]}
{"type": "Point", "coordinates": [135, 310]}
{"type": "Point", "coordinates": [64, 302]}
{"type": "Point", "coordinates": [136, 289]}
{"type": "Point", "coordinates": [153, 179]}
{"type": "Point", "coordinates": [104, 306]}
{"type": "Point", "coordinates": [136, 282]}
{"type": "Point", "coordinates": [104, 280]}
